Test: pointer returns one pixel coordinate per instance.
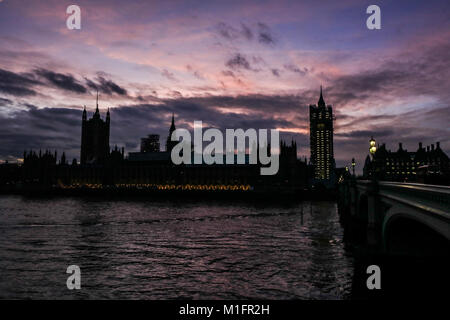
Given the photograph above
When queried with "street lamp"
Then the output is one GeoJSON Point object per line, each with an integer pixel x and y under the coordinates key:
{"type": "Point", "coordinates": [373, 147]}
{"type": "Point", "coordinates": [372, 150]}
{"type": "Point", "coordinates": [353, 165]}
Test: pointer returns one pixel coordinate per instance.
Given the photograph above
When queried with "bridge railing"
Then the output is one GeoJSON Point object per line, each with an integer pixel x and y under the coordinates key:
{"type": "Point", "coordinates": [432, 196]}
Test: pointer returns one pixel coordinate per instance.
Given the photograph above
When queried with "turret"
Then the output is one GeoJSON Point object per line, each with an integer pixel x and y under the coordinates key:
{"type": "Point", "coordinates": [172, 126]}
{"type": "Point", "coordinates": [169, 142]}
{"type": "Point", "coordinates": [63, 158]}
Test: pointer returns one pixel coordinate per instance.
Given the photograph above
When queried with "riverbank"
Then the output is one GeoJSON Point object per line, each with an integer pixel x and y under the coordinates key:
{"type": "Point", "coordinates": [272, 195]}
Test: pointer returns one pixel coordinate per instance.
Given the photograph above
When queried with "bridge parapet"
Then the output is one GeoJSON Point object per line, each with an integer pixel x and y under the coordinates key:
{"type": "Point", "coordinates": [431, 198]}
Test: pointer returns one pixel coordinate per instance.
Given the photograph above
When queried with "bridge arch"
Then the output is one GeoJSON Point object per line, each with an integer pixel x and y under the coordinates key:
{"type": "Point", "coordinates": [414, 233]}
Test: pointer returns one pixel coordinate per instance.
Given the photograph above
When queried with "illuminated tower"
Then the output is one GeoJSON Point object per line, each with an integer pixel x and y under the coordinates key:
{"type": "Point", "coordinates": [321, 139]}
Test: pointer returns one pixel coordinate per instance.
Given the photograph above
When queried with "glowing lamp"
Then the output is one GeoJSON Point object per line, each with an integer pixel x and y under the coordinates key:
{"type": "Point", "coordinates": [373, 147]}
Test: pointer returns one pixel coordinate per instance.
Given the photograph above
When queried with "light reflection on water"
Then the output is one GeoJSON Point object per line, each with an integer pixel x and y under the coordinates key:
{"type": "Point", "coordinates": [162, 250]}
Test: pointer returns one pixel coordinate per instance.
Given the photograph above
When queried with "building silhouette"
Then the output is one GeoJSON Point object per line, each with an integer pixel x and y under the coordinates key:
{"type": "Point", "coordinates": [321, 141]}
{"type": "Point", "coordinates": [150, 143]}
{"type": "Point", "coordinates": [426, 165]}
{"type": "Point", "coordinates": [111, 171]}
{"type": "Point", "coordinates": [94, 138]}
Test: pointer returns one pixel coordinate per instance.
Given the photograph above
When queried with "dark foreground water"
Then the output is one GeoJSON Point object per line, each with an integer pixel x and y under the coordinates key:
{"type": "Point", "coordinates": [162, 250]}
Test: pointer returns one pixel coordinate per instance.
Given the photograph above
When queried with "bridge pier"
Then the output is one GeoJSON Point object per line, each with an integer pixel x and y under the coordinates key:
{"type": "Point", "coordinates": [373, 216]}
{"type": "Point", "coordinates": [353, 198]}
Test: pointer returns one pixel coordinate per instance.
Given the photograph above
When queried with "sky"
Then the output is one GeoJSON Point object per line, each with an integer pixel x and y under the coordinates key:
{"type": "Point", "coordinates": [231, 64]}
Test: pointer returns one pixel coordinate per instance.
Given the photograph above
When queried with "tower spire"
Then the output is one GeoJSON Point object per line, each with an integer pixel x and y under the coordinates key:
{"type": "Point", "coordinates": [172, 125]}
{"type": "Point", "coordinates": [169, 142]}
{"type": "Point", "coordinates": [321, 102]}
{"type": "Point", "coordinates": [96, 110]}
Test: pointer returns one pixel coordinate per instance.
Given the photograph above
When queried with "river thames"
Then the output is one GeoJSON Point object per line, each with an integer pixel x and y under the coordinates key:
{"type": "Point", "coordinates": [137, 249]}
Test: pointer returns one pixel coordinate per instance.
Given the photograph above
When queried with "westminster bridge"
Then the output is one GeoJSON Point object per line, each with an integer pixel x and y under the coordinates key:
{"type": "Point", "coordinates": [399, 218]}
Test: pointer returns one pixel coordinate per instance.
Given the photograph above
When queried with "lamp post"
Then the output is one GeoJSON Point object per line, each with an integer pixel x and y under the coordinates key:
{"type": "Point", "coordinates": [353, 166]}
{"type": "Point", "coordinates": [373, 147]}
{"type": "Point", "coordinates": [372, 150]}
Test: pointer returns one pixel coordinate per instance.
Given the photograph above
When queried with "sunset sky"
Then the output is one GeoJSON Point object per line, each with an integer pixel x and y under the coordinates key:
{"type": "Point", "coordinates": [231, 64]}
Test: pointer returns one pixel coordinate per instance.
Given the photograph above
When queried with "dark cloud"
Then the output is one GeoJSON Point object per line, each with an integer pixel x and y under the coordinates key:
{"type": "Point", "coordinates": [276, 72]}
{"type": "Point", "coordinates": [46, 128]}
{"type": "Point", "coordinates": [265, 35]}
{"type": "Point", "coordinates": [195, 72]}
{"type": "Point", "coordinates": [5, 102]}
{"type": "Point", "coordinates": [261, 32]}
{"type": "Point", "coordinates": [295, 69]}
{"type": "Point", "coordinates": [106, 86]}
{"type": "Point", "coordinates": [424, 72]}
{"type": "Point", "coordinates": [364, 133]}
{"type": "Point", "coordinates": [169, 75]}
{"type": "Point", "coordinates": [246, 32]}
{"type": "Point", "coordinates": [17, 84]}
{"type": "Point", "coordinates": [238, 61]}
{"type": "Point", "coordinates": [61, 81]}
{"type": "Point", "coordinates": [226, 31]}
{"type": "Point", "coordinates": [228, 73]}
{"type": "Point", "coordinates": [23, 84]}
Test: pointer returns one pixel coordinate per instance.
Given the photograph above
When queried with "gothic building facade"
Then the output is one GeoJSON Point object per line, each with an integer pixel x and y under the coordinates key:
{"type": "Point", "coordinates": [321, 141]}
{"type": "Point", "coordinates": [426, 165]}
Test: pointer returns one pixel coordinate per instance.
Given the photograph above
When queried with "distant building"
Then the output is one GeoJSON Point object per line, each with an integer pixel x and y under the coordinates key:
{"type": "Point", "coordinates": [403, 165]}
{"type": "Point", "coordinates": [321, 141]}
{"type": "Point", "coordinates": [94, 138]}
{"type": "Point", "coordinates": [151, 150]}
{"type": "Point", "coordinates": [150, 143]}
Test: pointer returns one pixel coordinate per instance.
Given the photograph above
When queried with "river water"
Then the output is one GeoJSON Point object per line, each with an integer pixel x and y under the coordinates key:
{"type": "Point", "coordinates": [137, 249]}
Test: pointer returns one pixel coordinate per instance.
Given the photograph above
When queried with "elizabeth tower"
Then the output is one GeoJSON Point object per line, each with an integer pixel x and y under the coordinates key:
{"type": "Point", "coordinates": [321, 139]}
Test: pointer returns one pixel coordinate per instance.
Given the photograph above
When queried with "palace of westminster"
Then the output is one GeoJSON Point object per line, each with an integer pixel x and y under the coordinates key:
{"type": "Point", "coordinates": [100, 166]}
